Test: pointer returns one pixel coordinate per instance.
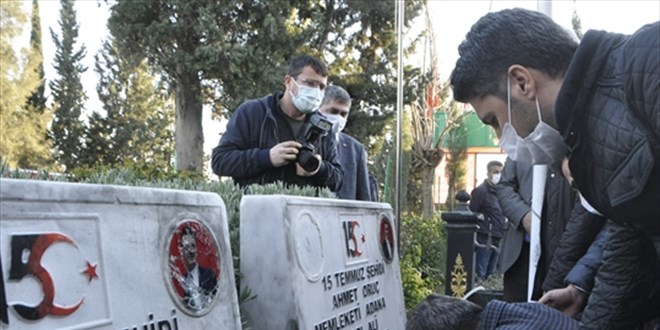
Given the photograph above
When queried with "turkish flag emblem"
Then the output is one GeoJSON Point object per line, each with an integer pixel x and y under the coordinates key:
{"type": "Point", "coordinates": [34, 246]}
{"type": "Point", "coordinates": [354, 237]}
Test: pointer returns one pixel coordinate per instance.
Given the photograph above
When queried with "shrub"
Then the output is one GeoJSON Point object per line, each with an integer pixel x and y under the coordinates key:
{"type": "Point", "coordinates": [424, 254]}
{"type": "Point", "coordinates": [415, 287]}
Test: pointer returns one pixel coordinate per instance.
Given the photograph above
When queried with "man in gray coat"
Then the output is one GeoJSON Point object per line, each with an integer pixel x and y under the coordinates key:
{"type": "Point", "coordinates": [515, 194]}
{"type": "Point", "coordinates": [335, 106]}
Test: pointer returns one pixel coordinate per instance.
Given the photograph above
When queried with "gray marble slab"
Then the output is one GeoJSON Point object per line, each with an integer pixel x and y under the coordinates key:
{"type": "Point", "coordinates": [318, 263]}
{"type": "Point", "coordinates": [81, 256]}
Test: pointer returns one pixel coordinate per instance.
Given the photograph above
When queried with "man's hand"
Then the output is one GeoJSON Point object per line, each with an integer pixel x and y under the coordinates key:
{"type": "Point", "coordinates": [527, 222]}
{"type": "Point", "coordinates": [568, 300]}
{"type": "Point", "coordinates": [283, 153]}
{"type": "Point", "coordinates": [301, 171]}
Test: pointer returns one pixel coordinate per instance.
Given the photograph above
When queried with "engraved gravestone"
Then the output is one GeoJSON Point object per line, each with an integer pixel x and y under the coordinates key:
{"type": "Point", "coordinates": [83, 256]}
{"type": "Point", "coordinates": [320, 264]}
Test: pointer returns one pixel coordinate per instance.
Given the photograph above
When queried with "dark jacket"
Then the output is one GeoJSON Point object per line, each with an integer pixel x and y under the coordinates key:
{"type": "Point", "coordinates": [579, 234]}
{"type": "Point", "coordinates": [243, 151]}
{"type": "Point", "coordinates": [484, 200]}
{"type": "Point", "coordinates": [208, 282]}
{"type": "Point", "coordinates": [608, 111]}
{"type": "Point", "coordinates": [499, 315]}
{"type": "Point", "coordinates": [583, 273]}
{"type": "Point", "coordinates": [353, 159]}
{"type": "Point", "coordinates": [626, 287]}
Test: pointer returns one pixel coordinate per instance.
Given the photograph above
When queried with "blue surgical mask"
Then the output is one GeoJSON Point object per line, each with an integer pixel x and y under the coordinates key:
{"type": "Point", "coordinates": [544, 145]}
{"type": "Point", "coordinates": [308, 98]}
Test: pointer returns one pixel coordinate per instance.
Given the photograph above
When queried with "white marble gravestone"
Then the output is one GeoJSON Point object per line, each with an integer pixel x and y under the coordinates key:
{"type": "Point", "coordinates": [320, 264]}
{"type": "Point", "coordinates": [83, 256]}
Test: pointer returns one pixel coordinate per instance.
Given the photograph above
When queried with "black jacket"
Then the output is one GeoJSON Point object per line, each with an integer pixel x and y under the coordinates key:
{"type": "Point", "coordinates": [608, 111]}
{"type": "Point", "coordinates": [243, 151]}
{"type": "Point", "coordinates": [583, 273]}
{"type": "Point", "coordinates": [484, 200]}
{"type": "Point", "coordinates": [579, 235]}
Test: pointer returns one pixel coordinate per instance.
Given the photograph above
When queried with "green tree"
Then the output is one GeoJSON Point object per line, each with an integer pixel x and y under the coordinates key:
{"type": "Point", "coordinates": [576, 22]}
{"type": "Point", "coordinates": [184, 38]}
{"type": "Point", "coordinates": [357, 39]}
{"type": "Point", "coordinates": [67, 130]}
{"type": "Point", "coordinates": [371, 75]}
{"type": "Point", "coordinates": [224, 53]}
{"type": "Point", "coordinates": [38, 98]}
{"type": "Point", "coordinates": [36, 151]}
{"type": "Point", "coordinates": [137, 126]}
{"type": "Point", "coordinates": [428, 137]}
{"type": "Point", "coordinates": [21, 127]}
{"type": "Point", "coordinates": [456, 167]}
{"type": "Point", "coordinates": [423, 261]}
{"type": "Point", "coordinates": [384, 165]}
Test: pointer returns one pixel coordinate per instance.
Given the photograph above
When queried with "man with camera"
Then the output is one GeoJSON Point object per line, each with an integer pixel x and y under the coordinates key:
{"type": "Point", "coordinates": [281, 137]}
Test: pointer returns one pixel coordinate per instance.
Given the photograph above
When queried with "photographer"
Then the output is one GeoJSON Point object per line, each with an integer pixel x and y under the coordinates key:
{"type": "Point", "coordinates": [267, 138]}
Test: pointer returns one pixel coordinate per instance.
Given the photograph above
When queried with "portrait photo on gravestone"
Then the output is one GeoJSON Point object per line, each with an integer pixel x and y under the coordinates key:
{"type": "Point", "coordinates": [193, 267]}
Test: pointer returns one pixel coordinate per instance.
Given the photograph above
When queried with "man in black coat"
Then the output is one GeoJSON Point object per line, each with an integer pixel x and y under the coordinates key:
{"type": "Point", "coordinates": [491, 228]}
{"type": "Point", "coordinates": [597, 104]}
{"type": "Point", "coordinates": [262, 141]}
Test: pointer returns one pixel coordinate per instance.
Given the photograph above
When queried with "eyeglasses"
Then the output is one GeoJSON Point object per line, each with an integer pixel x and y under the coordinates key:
{"type": "Point", "coordinates": [312, 83]}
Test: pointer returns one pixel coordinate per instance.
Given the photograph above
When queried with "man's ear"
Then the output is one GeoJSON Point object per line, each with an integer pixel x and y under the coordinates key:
{"type": "Point", "coordinates": [523, 84]}
{"type": "Point", "coordinates": [287, 80]}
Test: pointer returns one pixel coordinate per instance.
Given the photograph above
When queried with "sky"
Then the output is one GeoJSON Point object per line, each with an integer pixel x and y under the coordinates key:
{"type": "Point", "coordinates": [451, 20]}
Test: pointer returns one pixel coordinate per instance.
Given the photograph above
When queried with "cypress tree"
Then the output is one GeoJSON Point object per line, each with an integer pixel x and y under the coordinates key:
{"type": "Point", "coordinates": [38, 98]}
{"type": "Point", "coordinates": [35, 151]}
{"type": "Point", "coordinates": [22, 129]}
{"type": "Point", "coordinates": [137, 127]}
{"type": "Point", "coordinates": [67, 130]}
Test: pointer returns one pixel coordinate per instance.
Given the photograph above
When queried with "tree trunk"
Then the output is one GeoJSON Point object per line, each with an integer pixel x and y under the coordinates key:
{"type": "Point", "coordinates": [189, 137]}
{"type": "Point", "coordinates": [427, 192]}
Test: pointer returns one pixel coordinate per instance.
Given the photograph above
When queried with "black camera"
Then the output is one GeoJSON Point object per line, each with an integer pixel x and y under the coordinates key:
{"type": "Point", "coordinates": [316, 126]}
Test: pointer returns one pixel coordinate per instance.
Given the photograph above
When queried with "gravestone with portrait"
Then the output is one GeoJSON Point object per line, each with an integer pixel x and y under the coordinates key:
{"type": "Point", "coordinates": [316, 263]}
{"type": "Point", "coordinates": [81, 256]}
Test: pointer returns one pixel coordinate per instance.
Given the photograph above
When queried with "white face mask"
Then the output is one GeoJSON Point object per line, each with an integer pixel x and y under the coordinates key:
{"type": "Point", "coordinates": [496, 178]}
{"type": "Point", "coordinates": [544, 145]}
{"type": "Point", "coordinates": [308, 99]}
{"type": "Point", "coordinates": [338, 122]}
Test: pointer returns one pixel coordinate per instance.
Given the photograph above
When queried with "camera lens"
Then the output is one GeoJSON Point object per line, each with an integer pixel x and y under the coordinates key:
{"type": "Point", "coordinates": [307, 160]}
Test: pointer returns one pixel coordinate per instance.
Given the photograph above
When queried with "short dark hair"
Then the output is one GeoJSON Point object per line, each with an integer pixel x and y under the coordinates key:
{"type": "Point", "coordinates": [444, 312]}
{"type": "Point", "coordinates": [504, 38]}
{"type": "Point", "coordinates": [338, 94]}
{"type": "Point", "coordinates": [492, 164]}
{"type": "Point", "coordinates": [299, 63]}
{"type": "Point", "coordinates": [188, 230]}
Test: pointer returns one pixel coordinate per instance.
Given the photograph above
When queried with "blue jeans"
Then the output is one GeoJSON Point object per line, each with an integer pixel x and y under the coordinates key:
{"type": "Point", "coordinates": [486, 263]}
